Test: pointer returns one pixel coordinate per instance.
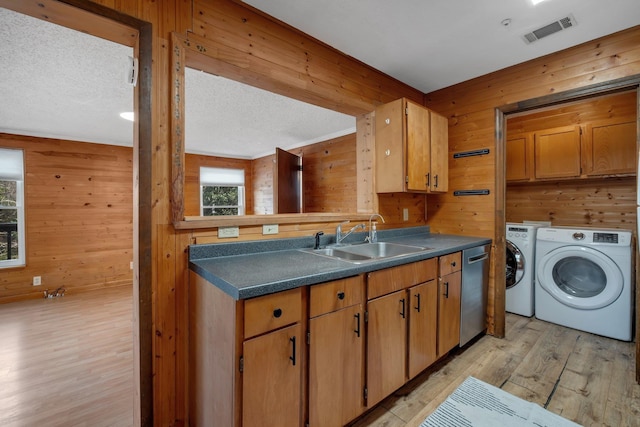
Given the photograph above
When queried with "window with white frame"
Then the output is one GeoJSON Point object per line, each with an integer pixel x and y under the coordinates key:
{"type": "Point", "coordinates": [12, 238]}
{"type": "Point", "coordinates": [221, 191]}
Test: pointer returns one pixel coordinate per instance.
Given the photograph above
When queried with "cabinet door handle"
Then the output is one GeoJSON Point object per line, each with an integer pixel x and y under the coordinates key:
{"type": "Point", "coordinates": [402, 310]}
{"type": "Point", "coordinates": [340, 295]}
{"type": "Point", "coordinates": [428, 179]}
{"type": "Point", "coordinates": [277, 313]}
{"type": "Point", "coordinates": [435, 185]}
{"type": "Point", "coordinates": [446, 289]}
{"type": "Point", "coordinates": [293, 354]}
{"type": "Point", "coordinates": [417, 307]}
{"type": "Point", "coordinates": [357, 331]}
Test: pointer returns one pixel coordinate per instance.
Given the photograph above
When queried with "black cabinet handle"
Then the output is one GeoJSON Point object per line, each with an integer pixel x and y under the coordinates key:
{"type": "Point", "coordinates": [277, 313]}
{"type": "Point", "coordinates": [436, 183]}
{"type": "Point", "coordinates": [453, 264]}
{"type": "Point", "coordinates": [340, 295]}
{"type": "Point", "coordinates": [428, 179]}
{"type": "Point", "coordinates": [357, 331]}
{"type": "Point", "coordinates": [446, 291]}
{"type": "Point", "coordinates": [293, 354]}
{"type": "Point", "coordinates": [402, 311]}
{"type": "Point", "coordinates": [417, 307]}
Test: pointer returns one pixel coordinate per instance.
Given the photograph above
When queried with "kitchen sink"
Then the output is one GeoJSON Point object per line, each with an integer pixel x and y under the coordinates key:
{"type": "Point", "coordinates": [367, 251]}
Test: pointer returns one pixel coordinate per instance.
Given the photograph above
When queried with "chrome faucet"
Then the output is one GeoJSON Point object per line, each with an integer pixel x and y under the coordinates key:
{"type": "Point", "coordinates": [340, 237]}
{"type": "Point", "coordinates": [372, 237]}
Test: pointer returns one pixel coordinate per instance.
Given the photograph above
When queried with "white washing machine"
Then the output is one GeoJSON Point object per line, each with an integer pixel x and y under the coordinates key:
{"type": "Point", "coordinates": [583, 279]}
{"type": "Point", "coordinates": [520, 266]}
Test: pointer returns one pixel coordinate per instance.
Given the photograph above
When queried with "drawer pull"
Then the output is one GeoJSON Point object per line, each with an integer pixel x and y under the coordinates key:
{"type": "Point", "coordinates": [340, 295]}
{"type": "Point", "coordinates": [277, 313]}
{"type": "Point", "coordinates": [357, 331]}
{"type": "Point", "coordinates": [293, 354]}
{"type": "Point", "coordinates": [453, 264]}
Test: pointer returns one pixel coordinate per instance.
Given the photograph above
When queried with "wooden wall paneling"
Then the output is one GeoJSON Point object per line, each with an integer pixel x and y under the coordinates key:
{"type": "Point", "coordinates": [366, 198]}
{"type": "Point", "coordinates": [262, 189]}
{"type": "Point", "coordinates": [605, 202]}
{"type": "Point", "coordinates": [78, 210]}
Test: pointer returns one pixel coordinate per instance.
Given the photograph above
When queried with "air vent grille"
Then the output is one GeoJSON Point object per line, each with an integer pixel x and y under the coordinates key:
{"type": "Point", "coordinates": [552, 28]}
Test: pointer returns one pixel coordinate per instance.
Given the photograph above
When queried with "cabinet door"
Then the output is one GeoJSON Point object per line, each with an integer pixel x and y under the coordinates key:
{"type": "Point", "coordinates": [423, 318]}
{"type": "Point", "coordinates": [449, 312]}
{"type": "Point", "coordinates": [336, 367]}
{"type": "Point", "coordinates": [386, 345]}
{"type": "Point", "coordinates": [271, 379]}
{"type": "Point", "coordinates": [418, 148]}
{"type": "Point", "coordinates": [439, 178]}
{"type": "Point", "coordinates": [389, 147]}
{"type": "Point", "coordinates": [517, 167]}
{"type": "Point", "coordinates": [557, 153]}
{"type": "Point", "coordinates": [611, 148]}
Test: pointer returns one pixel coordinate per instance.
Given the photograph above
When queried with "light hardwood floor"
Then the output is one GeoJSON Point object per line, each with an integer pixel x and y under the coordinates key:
{"type": "Point", "coordinates": [583, 377]}
{"type": "Point", "coordinates": [68, 361]}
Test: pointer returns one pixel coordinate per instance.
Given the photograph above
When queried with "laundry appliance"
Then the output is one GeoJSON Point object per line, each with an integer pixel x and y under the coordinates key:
{"type": "Point", "coordinates": [583, 279]}
{"type": "Point", "coordinates": [520, 266]}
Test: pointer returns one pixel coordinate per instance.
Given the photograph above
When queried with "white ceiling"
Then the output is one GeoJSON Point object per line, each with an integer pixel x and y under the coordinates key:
{"type": "Point", "coordinates": [60, 83]}
{"type": "Point", "coordinates": [432, 44]}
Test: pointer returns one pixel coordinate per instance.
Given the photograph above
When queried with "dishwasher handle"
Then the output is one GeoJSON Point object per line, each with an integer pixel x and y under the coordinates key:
{"type": "Point", "coordinates": [478, 258]}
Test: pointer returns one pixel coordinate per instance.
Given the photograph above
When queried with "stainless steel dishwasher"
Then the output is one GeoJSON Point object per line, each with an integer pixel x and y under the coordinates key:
{"type": "Point", "coordinates": [473, 299]}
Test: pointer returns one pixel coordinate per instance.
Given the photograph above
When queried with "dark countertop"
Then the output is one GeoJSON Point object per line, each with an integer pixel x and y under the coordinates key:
{"type": "Point", "coordinates": [250, 269]}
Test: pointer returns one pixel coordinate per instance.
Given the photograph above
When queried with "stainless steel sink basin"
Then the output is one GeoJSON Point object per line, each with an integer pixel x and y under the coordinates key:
{"type": "Point", "coordinates": [367, 251]}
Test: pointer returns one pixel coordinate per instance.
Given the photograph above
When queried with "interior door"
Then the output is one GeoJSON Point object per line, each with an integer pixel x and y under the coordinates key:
{"type": "Point", "coordinates": [287, 183]}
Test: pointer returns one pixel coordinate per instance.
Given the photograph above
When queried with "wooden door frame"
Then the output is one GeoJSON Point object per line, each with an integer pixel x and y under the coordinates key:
{"type": "Point", "coordinates": [501, 113]}
{"type": "Point", "coordinates": [61, 12]}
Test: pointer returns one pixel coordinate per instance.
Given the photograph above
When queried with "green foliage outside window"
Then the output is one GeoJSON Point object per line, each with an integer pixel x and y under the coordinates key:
{"type": "Point", "coordinates": [8, 220]}
{"type": "Point", "coordinates": [220, 200]}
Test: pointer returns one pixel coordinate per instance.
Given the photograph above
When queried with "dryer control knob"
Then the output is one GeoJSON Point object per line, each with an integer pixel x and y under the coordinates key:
{"type": "Point", "coordinates": [578, 236]}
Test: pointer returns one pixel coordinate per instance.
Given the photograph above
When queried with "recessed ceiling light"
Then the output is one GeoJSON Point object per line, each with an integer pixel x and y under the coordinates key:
{"type": "Point", "coordinates": [128, 115]}
{"type": "Point", "coordinates": [535, 2]}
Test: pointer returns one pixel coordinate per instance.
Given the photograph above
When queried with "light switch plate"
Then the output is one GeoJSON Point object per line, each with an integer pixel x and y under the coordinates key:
{"type": "Point", "coordinates": [226, 232]}
{"type": "Point", "coordinates": [270, 229]}
{"type": "Point", "coordinates": [405, 214]}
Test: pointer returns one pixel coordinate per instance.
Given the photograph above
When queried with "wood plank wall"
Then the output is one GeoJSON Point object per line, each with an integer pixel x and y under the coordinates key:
{"type": "Point", "coordinates": [79, 217]}
{"type": "Point", "coordinates": [471, 109]}
{"type": "Point", "coordinates": [605, 202]}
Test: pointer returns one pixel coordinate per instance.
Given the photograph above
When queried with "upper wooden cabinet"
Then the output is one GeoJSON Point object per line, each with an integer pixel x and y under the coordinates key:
{"type": "Point", "coordinates": [610, 148]}
{"type": "Point", "coordinates": [557, 153]}
{"type": "Point", "coordinates": [411, 149]}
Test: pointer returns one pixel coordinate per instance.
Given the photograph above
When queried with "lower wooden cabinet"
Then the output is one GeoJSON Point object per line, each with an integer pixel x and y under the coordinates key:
{"type": "Point", "coordinates": [336, 352]}
{"type": "Point", "coordinates": [386, 345]}
{"type": "Point", "coordinates": [423, 318]}
{"type": "Point", "coordinates": [272, 378]}
{"type": "Point", "coordinates": [319, 354]}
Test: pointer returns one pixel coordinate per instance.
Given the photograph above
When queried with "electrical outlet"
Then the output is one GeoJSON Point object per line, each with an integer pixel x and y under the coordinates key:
{"type": "Point", "coordinates": [270, 229]}
{"type": "Point", "coordinates": [405, 214]}
{"type": "Point", "coordinates": [131, 265]}
{"type": "Point", "coordinates": [37, 280]}
{"type": "Point", "coordinates": [226, 232]}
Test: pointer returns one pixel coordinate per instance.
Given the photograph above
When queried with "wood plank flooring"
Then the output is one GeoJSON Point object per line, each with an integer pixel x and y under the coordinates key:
{"type": "Point", "coordinates": [68, 361]}
{"type": "Point", "coordinates": [583, 377]}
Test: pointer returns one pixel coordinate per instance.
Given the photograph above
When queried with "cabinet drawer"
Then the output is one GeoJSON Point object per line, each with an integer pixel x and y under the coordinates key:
{"type": "Point", "coordinates": [383, 282]}
{"type": "Point", "coordinates": [332, 296]}
{"type": "Point", "coordinates": [263, 314]}
{"type": "Point", "coordinates": [450, 263]}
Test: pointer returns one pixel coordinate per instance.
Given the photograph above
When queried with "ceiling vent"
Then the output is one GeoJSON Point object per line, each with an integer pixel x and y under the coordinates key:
{"type": "Point", "coordinates": [559, 25]}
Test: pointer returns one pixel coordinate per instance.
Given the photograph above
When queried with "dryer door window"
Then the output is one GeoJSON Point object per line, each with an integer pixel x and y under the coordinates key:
{"type": "Point", "coordinates": [580, 277]}
{"type": "Point", "coordinates": [515, 265]}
